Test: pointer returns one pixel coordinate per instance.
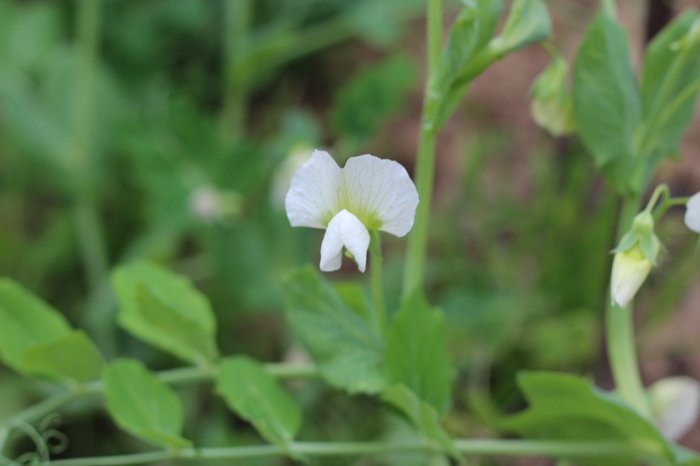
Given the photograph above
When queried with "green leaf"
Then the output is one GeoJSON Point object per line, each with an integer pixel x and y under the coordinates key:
{"type": "Point", "coordinates": [669, 84]}
{"type": "Point", "coordinates": [165, 310]}
{"type": "Point", "coordinates": [527, 23]}
{"type": "Point", "coordinates": [348, 353]}
{"type": "Point", "coordinates": [423, 417]}
{"type": "Point", "coordinates": [606, 101]}
{"type": "Point", "coordinates": [256, 396]}
{"type": "Point", "coordinates": [416, 353]}
{"type": "Point", "coordinates": [469, 35]}
{"type": "Point", "coordinates": [26, 321]}
{"type": "Point", "coordinates": [375, 93]}
{"type": "Point", "coordinates": [74, 357]}
{"type": "Point", "coordinates": [143, 405]}
{"type": "Point", "coordinates": [567, 407]}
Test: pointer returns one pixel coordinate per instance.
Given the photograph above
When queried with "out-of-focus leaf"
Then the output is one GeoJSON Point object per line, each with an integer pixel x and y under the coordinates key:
{"type": "Point", "coordinates": [527, 23]}
{"type": "Point", "coordinates": [256, 396]}
{"type": "Point", "coordinates": [27, 33]}
{"type": "Point", "coordinates": [423, 416]}
{"type": "Point", "coordinates": [567, 407]}
{"type": "Point", "coordinates": [606, 102]}
{"type": "Point", "coordinates": [143, 405]}
{"type": "Point", "coordinates": [416, 354]}
{"type": "Point", "coordinates": [349, 354]}
{"type": "Point", "coordinates": [552, 105]}
{"type": "Point", "coordinates": [26, 321]}
{"type": "Point", "coordinates": [165, 310]}
{"type": "Point", "coordinates": [371, 96]}
{"type": "Point", "coordinates": [74, 357]}
{"type": "Point", "coordinates": [670, 80]}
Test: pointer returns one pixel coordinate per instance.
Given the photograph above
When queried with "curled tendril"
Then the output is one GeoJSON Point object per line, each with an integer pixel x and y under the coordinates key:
{"type": "Point", "coordinates": [56, 441]}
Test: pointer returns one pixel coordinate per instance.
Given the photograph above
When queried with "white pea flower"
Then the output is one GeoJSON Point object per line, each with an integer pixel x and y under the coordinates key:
{"type": "Point", "coordinates": [368, 194]}
{"type": "Point", "coordinates": [675, 405]}
{"type": "Point", "coordinates": [205, 204]}
{"type": "Point", "coordinates": [692, 214]}
{"type": "Point", "coordinates": [634, 258]}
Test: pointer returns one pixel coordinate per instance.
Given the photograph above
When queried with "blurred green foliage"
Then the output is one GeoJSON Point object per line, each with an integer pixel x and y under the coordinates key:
{"type": "Point", "coordinates": [521, 278]}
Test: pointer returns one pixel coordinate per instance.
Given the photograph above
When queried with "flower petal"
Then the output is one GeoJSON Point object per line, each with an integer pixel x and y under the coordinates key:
{"type": "Point", "coordinates": [344, 230]}
{"type": "Point", "coordinates": [314, 192]}
{"type": "Point", "coordinates": [692, 215]}
{"type": "Point", "coordinates": [675, 405]}
{"type": "Point", "coordinates": [381, 193]}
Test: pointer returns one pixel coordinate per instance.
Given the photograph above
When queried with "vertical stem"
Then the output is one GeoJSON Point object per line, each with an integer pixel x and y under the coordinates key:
{"type": "Point", "coordinates": [425, 161]}
{"type": "Point", "coordinates": [237, 23]}
{"type": "Point", "coordinates": [620, 332]}
{"type": "Point", "coordinates": [377, 282]}
{"type": "Point", "coordinates": [86, 219]}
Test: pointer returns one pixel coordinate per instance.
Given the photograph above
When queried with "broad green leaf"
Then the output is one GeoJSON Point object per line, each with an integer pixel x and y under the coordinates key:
{"type": "Point", "coordinates": [374, 94]}
{"type": "Point", "coordinates": [348, 353]}
{"type": "Point", "coordinates": [74, 357]}
{"type": "Point", "coordinates": [256, 396]}
{"type": "Point", "coordinates": [606, 101]}
{"type": "Point", "coordinates": [670, 80]}
{"type": "Point", "coordinates": [165, 310]}
{"type": "Point", "coordinates": [423, 416]}
{"type": "Point", "coordinates": [416, 353]}
{"type": "Point", "coordinates": [143, 405]}
{"type": "Point", "coordinates": [567, 407]}
{"type": "Point", "coordinates": [26, 321]}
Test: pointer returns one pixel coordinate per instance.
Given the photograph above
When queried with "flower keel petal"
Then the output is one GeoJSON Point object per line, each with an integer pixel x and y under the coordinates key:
{"type": "Point", "coordinates": [344, 230]}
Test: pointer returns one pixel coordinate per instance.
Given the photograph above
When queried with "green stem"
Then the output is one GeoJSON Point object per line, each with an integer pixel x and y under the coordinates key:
{"type": "Point", "coordinates": [91, 244]}
{"type": "Point", "coordinates": [620, 332]}
{"type": "Point", "coordinates": [469, 447]}
{"type": "Point", "coordinates": [425, 161]}
{"type": "Point", "coordinates": [173, 377]}
{"type": "Point", "coordinates": [377, 282]}
{"type": "Point", "coordinates": [237, 19]}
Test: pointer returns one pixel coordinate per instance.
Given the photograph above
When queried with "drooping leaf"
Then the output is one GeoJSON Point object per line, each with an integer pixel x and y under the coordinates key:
{"type": "Point", "coordinates": [143, 405]}
{"type": "Point", "coordinates": [527, 23]}
{"type": "Point", "coordinates": [423, 416]}
{"type": "Point", "coordinates": [74, 357]}
{"type": "Point", "coordinates": [256, 396]}
{"type": "Point", "coordinates": [349, 354]}
{"type": "Point", "coordinates": [670, 80]}
{"type": "Point", "coordinates": [416, 353]}
{"type": "Point", "coordinates": [606, 101]}
{"type": "Point", "coordinates": [165, 310]}
{"type": "Point", "coordinates": [26, 321]}
{"type": "Point", "coordinates": [567, 407]}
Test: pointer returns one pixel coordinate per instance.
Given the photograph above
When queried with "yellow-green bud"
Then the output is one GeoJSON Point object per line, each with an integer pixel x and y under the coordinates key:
{"type": "Point", "coordinates": [551, 106]}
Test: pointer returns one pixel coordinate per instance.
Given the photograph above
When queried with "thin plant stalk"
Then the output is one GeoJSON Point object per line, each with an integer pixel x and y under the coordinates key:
{"type": "Point", "coordinates": [237, 18]}
{"type": "Point", "coordinates": [619, 325]}
{"type": "Point", "coordinates": [378, 282]}
{"type": "Point", "coordinates": [425, 162]}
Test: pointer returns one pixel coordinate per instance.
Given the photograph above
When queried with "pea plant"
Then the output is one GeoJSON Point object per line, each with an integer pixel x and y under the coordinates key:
{"type": "Point", "coordinates": [356, 342]}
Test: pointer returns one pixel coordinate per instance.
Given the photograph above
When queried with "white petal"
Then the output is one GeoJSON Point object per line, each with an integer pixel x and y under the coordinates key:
{"type": "Point", "coordinates": [381, 193]}
{"type": "Point", "coordinates": [630, 269]}
{"type": "Point", "coordinates": [315, 192]}
{"type": "Point", "coordinates": [692, 215]}
{"type": "Point", "coordinates": [344, 230]}
{"type": "Point", "coordinates": [676, 405]}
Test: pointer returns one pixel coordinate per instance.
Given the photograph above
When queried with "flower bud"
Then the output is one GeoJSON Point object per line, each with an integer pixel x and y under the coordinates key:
{"type": "Point", "coordinates": [551, 106]}
{"type": "Point", "coordinates": [675, 405]}
{"type": "Point", "coordinates": [634, 258]}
